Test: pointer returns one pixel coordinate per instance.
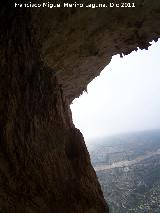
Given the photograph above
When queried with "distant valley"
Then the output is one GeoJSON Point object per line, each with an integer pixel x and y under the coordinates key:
{"type": "Point", "coordinates": [128, 168]}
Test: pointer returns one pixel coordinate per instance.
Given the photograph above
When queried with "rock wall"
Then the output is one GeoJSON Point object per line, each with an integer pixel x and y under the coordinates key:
{"type": "Point", "coordinates": [48, 56]}
{"type": "Point", "coordinates": [44, 163]}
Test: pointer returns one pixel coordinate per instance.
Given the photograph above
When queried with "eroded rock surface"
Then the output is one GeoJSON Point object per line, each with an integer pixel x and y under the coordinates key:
{"type": "Point", "coordinates": [48, 56]}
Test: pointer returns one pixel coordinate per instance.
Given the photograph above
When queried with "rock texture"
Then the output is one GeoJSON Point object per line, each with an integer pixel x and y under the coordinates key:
{"type": "Point", "coordinates": [48, 56]}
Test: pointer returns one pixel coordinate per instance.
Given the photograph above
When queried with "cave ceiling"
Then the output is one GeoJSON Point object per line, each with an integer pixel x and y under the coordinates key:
{"type": "Point", "coordinates": [77, 43]}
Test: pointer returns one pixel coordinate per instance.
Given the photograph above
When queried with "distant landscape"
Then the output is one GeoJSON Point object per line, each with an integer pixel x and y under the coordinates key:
{"type": "Point", "coordinates": [128, 168]}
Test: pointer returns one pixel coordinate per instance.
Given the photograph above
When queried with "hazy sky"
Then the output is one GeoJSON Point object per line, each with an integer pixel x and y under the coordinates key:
{"type": "Point", "coordinates": [125, 97]}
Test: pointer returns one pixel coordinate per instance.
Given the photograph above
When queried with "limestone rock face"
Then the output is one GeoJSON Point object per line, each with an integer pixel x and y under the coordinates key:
{"type": "Point", "coordinates": [48, 56]}
{"type": "Point", "coordinates": [44, 163]}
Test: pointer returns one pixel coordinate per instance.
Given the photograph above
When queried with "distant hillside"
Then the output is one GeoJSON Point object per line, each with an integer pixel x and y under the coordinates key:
{"type": "Point", "coordinates": [128, 168]}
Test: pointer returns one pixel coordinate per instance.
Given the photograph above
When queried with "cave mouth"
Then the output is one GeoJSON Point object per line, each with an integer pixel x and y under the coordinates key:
{"type": "Point", "coordinates": [123, 98]}
{"type": "Point", "coordinates": [48, 57]}
{"type": "Point", "coordinates": [119, 120]}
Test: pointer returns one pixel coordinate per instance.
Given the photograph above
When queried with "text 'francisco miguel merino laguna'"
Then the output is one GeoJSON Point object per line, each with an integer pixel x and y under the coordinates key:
{"type": "Point", "coordinates": [74, 5]}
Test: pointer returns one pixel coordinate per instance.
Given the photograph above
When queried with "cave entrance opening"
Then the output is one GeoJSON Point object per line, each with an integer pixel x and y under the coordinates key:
{"type": "Point", "coordinates": [124, 98]}
{"type": "Point", "coordinates": [119, 118]}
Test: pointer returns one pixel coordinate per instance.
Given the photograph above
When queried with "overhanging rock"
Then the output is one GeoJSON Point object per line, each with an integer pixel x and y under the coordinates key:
{"type": "Point", "coordinates": [79, 42]}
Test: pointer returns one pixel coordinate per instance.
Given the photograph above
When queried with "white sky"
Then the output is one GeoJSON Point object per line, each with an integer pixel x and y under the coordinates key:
{"type": "Point", "coordinates": [125, 97]}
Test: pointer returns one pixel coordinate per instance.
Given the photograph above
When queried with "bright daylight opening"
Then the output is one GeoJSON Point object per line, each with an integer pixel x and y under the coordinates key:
{"type": "Point", "coordinates": [120, 121]}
